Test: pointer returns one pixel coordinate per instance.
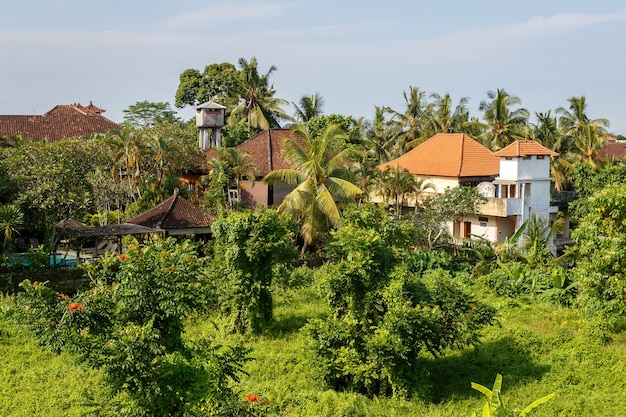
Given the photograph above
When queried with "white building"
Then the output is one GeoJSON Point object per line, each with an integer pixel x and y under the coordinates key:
{"type": "Point", "coordinates": [515, 180]}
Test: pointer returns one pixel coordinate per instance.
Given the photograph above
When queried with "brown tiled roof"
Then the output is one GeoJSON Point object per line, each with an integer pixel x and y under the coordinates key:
{"type": "Point", "coordinates": [61, 122]}
{"type": "Point", "coordinates": [525, 148]}
{"type": "Point", "coordinates": [265, 150]}
{"type": "Point", "coordinates": [454, 155]}
{"type": "Point", "coordinates": [615, 150]}
{"type": "Point", "coordinates": [174, 213]}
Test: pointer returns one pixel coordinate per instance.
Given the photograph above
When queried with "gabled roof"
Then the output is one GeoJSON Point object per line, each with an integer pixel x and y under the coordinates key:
{"type": "Point", "coordinates": [266, 150]}
{"type": "Point", "coordinates": [454, 155]}
{"type": "Point", "coordinates": [615, 150]}
{"type": "Point", "coordinates": [174, 213]}
{"type": "Point", "coordinates": [524, 148]}
{"type": "Point", "coordinates": [61, 122]}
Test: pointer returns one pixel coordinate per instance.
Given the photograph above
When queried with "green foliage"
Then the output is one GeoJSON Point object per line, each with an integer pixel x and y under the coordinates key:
{"type": "Point", "coordinates": [147, 114]}
{"type": "Point", "coordinates": [494, 406]}
{"type": "Point", "coordinates": [383, 315]}
{"type": "Point", "coordinates": [601, 260]}
{"type": "Point", "coordinates": [451, 205]}
{"type": "Point", "coordinates": [130, 325]}
{"type": "Point", "coordinates": [248, 246]}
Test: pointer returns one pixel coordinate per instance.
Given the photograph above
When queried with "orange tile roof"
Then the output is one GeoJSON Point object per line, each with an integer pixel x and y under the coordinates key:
{"type": "Point", "coordinates": [525, 148]}
{"type": "Point", "coordinates": [615, 150]}
{"type": "Point", "coordinates": [454, 155]}
{"type": "Point", "coordinates": [61, 122]}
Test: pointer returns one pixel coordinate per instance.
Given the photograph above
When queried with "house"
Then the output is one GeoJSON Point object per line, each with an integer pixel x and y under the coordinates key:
{"type": "Point", "coordinates": [265, 151]}
{"type": "Point", "coordinates": [175, 216]}
{"type": "Point", "coordinates": [61, 122]}
{"type": "Point", "coordinates": [515, 180]}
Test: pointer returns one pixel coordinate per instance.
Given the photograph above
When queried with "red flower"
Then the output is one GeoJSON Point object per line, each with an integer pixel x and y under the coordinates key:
{"type": "Point", "coordinates": [75, 306]}
{"type": "Point", "coordinates": [123, 257]}
{"type": "Point", "coordinates": [253, 398]}
{"type": "Point", "coordinates": [473, 308]}
{"type": "Point", "coordinates": [64, 296]}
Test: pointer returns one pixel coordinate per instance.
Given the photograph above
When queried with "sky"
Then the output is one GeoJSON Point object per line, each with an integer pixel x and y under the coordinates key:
{"type": "Point", "coordinates": [357, 54]}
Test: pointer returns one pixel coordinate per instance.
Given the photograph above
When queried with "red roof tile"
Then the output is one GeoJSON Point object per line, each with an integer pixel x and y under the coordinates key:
{"type": "Point", "coordinates": [454, 155]}
{"type": "Point", "coordinates": [615, 150]}
{"type": "Point", "coordinates": [174, 213]}
{"type": "Point", "coordinates": [265, 150]}
{"type": "Point", "coordinates": [525, 148]}
{"type": "Point", "coordinates": [61, 122]}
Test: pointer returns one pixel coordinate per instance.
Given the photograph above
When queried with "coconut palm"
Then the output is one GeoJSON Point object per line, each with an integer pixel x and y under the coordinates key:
{"type": "Point", "coordinates": [445, 119]}
{"type": "Point", "coordinates": [408, 126]}
{"type": "Point", "coordinates": [546, 132]}
{"type": "Point", "coordinates": [574, 120]}
{"type": "Point", "coordinates": [397, 185]}
{"type": "Point", "coordinates": [378, 138]}
{"type": "Point", "coordinates": [256, 97]}
{"type": "Point", "coordinates": [503, 124]}
{"type": "Point", "coordinates": [128, 147]}
{"type": "Point", "coordinates": [585, 136]}
{"type": "Point", "coordinates": [11, 221]}
{"type": "Point", "coordinates": [319, 174]}
{"type": "Point", "coordinates": [310, 106]}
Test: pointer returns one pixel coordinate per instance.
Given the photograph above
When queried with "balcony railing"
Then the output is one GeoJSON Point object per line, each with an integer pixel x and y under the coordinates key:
{"type": "Point", "coordinates": [501, 207]}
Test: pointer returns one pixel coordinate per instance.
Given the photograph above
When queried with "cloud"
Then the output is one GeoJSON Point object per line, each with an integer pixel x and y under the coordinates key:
{"type": "Point", "coordinates": [226, 12]}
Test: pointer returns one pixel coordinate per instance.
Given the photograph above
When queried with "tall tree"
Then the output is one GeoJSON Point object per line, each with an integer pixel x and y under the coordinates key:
{"type": "Point", "coordinates": [217, 82]}
{"type": "Point", "coordinates": [128, 146]}
{"type": "Point", "coordinates": [445, 118]}
{"type": "Point", "coordinates": [256, 97]}
{"type": "Point", "coordinates": [585, 136]}
{"type": "Point", "coordinates": [310, 106]}
{"type": "Point", "coordinates": [546, 132]}
{"type": "Point", "coordinates": [503, 124]}
{"type": "Point", "coordinates": [319, 175]}
{"type": "Point", "coordinates": [147, 114]}
{"type": "Point", "coordinates": [408, 126]}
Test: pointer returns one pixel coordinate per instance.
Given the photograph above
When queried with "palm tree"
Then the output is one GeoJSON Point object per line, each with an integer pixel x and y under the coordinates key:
{"type": "Point", "coordinates": [408, 126]}
{"type": "Point", "coordinates": [256, 97]}
{"type": "Point", "coordinates": [11, 221]}
{"type": "Point", "coordinates": [397, 185]}
{"type": "Point", "coordinates": [574, 120]}
{"type": "Point", "coordinates": [378, 138]}
{"type": "Point", "coordinates": [240, 166]}
{"type": "Point", "coordinates": [310, 106]}
{"type": "Point", "coordinates": [318, 172]}
{"type": "Point", "coordinates": [546, 132]}
{"type": "Point", "coordinates": [586, 136]}
{"type": "Point", "coordinates": [128, 147]}
{"type": "Point", "coordinates": [443, 118]}
{"type": "Point", "coordinates": [502, 123]}
{"type": "Point", "coordinates": [160, 146]}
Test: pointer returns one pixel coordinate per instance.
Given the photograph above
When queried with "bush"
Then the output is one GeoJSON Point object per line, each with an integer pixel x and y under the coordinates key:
{"type": "Point", "coordinates": [130, 324]}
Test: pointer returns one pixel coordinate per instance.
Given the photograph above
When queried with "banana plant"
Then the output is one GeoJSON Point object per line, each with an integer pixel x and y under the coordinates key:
{"type": "Point", "coordinates": [494, 406]}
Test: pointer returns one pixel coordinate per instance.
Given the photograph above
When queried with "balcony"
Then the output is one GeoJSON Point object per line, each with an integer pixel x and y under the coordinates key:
{"type": "Point", "coordinates": [501, 207]}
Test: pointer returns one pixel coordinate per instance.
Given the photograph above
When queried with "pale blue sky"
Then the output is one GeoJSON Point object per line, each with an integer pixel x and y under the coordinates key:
{"type": "Point", "coordinates": [356, 54]}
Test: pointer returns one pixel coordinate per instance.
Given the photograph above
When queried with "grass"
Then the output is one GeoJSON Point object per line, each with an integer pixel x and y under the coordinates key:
{"type": "Point", "coordinates": [539, 348]}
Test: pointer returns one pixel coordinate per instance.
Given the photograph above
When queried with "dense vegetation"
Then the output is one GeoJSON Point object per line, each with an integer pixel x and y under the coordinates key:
{"type": "Point", "coordinates": [328, 305]}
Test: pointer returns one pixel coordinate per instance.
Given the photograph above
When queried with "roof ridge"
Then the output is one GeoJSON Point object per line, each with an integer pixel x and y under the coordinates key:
{"type": "Point", "coordinates": [462, 151]}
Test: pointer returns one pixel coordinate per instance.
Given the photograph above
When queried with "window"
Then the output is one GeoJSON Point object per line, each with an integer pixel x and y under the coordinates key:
{"type": "Point", "coordinates": [541, 156]}
{"type": "Point", "coordinates": [526, 190]}
{"type": "Point", "coordinates": [527, 157]}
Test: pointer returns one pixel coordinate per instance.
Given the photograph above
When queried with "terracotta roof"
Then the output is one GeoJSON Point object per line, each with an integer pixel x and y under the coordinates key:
{"type": "Point", "coordinates": [453, 155]}
{"type": "Point", "coordinates": [174, 213]}
{"type": "Point", "coordinates": [61, 122]}
{"type": "Point", "coordinates": [265, 150]}
{"type": "Point", "coordinates": [525, 148]}
{"type": "Point", "coordinates": [615, 150]}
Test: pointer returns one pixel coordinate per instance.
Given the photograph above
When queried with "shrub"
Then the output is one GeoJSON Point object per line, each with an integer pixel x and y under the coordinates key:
{"type": "Point", "coordinates": [130, 324]}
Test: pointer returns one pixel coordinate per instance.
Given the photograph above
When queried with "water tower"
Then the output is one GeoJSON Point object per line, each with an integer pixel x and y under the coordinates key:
{"type": "Point", "coordinates": [210, 119]}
